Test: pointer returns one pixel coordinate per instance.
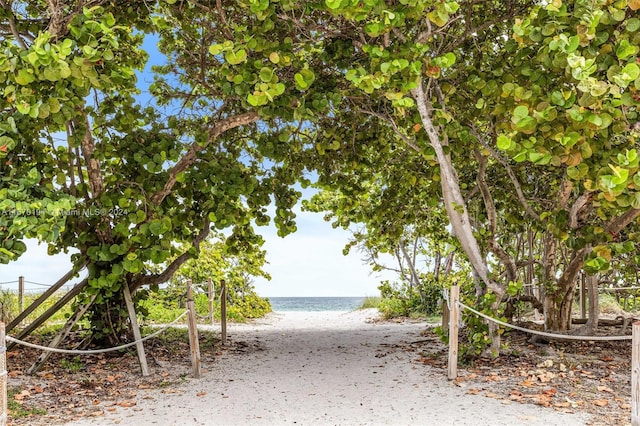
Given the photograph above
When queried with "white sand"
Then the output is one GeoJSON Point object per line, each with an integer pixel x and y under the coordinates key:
{"type": "Point", "coordinates": [325, 368]}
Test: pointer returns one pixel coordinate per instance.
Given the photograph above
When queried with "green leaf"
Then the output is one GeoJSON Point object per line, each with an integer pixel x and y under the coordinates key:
{"type": "Point", "coordinates": [237, 57]}
{"type": "Point", "coordinates": [216, 49]}
{"type": "Point", "coordinates": [448, 60]}
{"type": "Point", "coordinates": [24, 77]}
{"type": "Point", "coordinates": [520, 112]}
{"type": "Point", "coordinates": [257, 99]}
{"type": "Point", "coordinates": [333, 4]}
{"type": "Point", "coordinates": [574, 42]}
{"type": "Point", "coordinates": [625, 49]}
{"type": "Point", "coordinates": [266, 74]}
{"type": "Point", "coordinates": [632, 71]}
{"type": "Point", "coordinates": [526, 125]}
{"type": "Point", "coordinates": [504, 142]}
{"type": "Point", "coordinates": [274, 57]}
{"type": "Point", "coordinates": [304, 79]}
{"type": "Point", "coordinates": [633, 25]}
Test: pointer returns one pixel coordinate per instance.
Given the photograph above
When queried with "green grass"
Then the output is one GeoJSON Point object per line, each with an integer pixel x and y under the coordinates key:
{"type": "Point", "coordinates": [370, 302]}
{"type": "Point", "coordinates": [17, 410]}
{"type": "Point", "coordinates": [9, 307]}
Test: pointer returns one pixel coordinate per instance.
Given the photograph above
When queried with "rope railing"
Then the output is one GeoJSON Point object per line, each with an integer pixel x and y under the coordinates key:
{"type": "Point", "coordinates": [619, 288]}
{"type": "Point", "coordinates": [452, 299]}
{"type": "Point", "coordinates": [95, 351]}
{"type": "Point", "coordinates": [38, 284]}
{"type": "Point", "coordinates": [445, 296]}
{"type": "Point", "coordinates": [543, 333]}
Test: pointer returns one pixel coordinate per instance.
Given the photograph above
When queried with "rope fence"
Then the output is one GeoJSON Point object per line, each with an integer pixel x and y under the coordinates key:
{"type": "Point", "coordinates": [543, 333]}
{"type": "Point", "coordinates": [453, 305]}
{"type": "Point", "coordinates": [138, 339]}
{"type": "Point", "coordinates": [95, 351]}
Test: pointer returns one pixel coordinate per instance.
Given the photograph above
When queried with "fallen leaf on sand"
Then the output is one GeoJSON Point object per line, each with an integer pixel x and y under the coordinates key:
{"type": "Point", "coordinates": [127, 404]}
{"type": "Point", "coordinates": [549, 392]}
{"type": "Point", "coordinates": [201, 393]}
{"type": "Point", "coordinates": [22, 395]}
{"type": "Point", "coordinates": [601, 402]}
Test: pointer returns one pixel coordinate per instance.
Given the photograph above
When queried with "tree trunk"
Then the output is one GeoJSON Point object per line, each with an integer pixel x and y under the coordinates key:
{"type": "Point", "coordinates": [590, 327]}
{"type": "Point", "coordinates": [557, 310]}
{"type": "Point", "coordinates": [454, 202]}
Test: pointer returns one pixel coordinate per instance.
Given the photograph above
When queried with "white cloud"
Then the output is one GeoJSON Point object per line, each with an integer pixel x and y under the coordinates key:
{"type": "Point", "coordinates": [36, 266]}
{"type": "Point", "coordinates": [310, 263]}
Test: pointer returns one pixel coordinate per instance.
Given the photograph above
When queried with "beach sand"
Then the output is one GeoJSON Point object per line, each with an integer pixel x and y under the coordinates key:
{"type": "Point", "coordinates": [324, 368]}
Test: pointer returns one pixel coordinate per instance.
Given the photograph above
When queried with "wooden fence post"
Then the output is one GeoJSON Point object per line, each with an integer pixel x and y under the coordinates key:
{"type": "Point", "coordinates": [3, 377]}
{"type": "Point", "coordinates": [223, 312]}
{"type": "Point", "coordinates": [194, 343]}
{"type": "Point", "coordinates": [446, 315]}
{"type": "Point", "coordinates": [136, 330]}
{"type": "Point", "coordinates": [454, 297]}
{"type": "Point", "coordinates": [583, 298]}
{"type": "Point", "coordinates": [210, 295]}
{"type": "Point", "coordinates": [51, 290]}
{"type": "Point", "coordinates": [20, 293]}
{"type": "Point", "coordinates": [635, 375]}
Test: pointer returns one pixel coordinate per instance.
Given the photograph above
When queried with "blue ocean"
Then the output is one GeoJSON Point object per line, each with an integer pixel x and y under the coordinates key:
{"type": "Point", "coordinates": [282, 304]}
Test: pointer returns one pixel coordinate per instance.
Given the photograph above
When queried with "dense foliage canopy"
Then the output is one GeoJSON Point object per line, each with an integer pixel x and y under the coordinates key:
{"type": "Point", "coordinates": [516, 121]}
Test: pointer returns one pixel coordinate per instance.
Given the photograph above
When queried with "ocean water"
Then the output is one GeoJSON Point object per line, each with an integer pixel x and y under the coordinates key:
{"type": "Point", "coordinates": [281, 304]}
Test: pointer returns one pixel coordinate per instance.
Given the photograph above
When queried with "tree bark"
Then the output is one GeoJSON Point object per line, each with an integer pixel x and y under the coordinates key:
{"type": "Point", "coordinates": [453, 200]}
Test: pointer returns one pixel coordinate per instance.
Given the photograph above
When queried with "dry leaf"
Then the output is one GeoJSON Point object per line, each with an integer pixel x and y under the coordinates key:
{"type": "Point", "coordinates": [110, 378]}
{"type": "Point", "coordinates": [605, 389]}
{"type": "Point", "coordinates": [601, 402]}
{"type": "Point", "coordinates": [201, 393]}
{"type": "Point", "coordinates": [128, 404]}
{"type": "Point", "coordinates": [22, 395]}
{"type": "Point", "coordinates": [473, 391]}
{"type": "Point", "coordinates": [516, 396]}
{"type": "Point", "coordinates": [549, 392]}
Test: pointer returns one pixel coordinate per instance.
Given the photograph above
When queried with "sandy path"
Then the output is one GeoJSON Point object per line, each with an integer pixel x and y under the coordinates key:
{"type": "Point", "coordinates": [324, 368]}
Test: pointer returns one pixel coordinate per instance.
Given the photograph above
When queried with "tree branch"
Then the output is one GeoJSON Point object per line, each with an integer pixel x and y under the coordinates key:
{"type": "Point", "coordinates": [88, 146]}
{"type": "Point", "coordinates": [454, 202]}
{"type": "Point", "coordinates": [510, 173]}
{"type": "Point", "coordinates": [395, 128]}
{"type": "Point", "coordinates": [165, 275]}
{"type": "Point", "coordinates": [190, 157]}
{"type": "Point", "coordinates": [582, 201]}
{"type": "Point", "coordinates": [12, 24]}
{"type": "Point", "coordinates": [492, 215]}
{"type": "Point", "coordinates": [619, 223]}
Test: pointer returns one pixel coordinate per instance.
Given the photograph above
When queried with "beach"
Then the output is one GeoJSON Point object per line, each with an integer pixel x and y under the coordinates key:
{"type": "Point", "coordinates": [324, 368]}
